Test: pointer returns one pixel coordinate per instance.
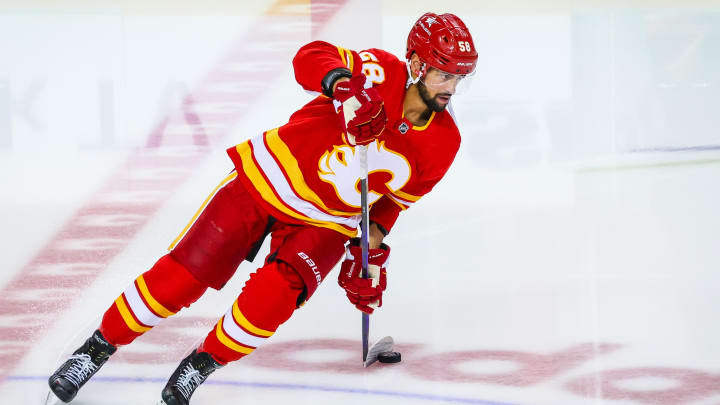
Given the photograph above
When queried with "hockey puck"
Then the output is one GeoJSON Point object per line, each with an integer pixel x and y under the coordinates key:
{"type": "Point", "coordinates": [389, 357]}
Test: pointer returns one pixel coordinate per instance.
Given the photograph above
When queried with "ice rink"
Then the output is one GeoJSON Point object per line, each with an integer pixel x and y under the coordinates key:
{"type": "Point", "coordinates": [570, 256]}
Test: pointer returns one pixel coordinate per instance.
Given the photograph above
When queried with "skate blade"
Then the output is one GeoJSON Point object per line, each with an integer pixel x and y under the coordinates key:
{"type": "Point", "coordinates": [383, 345]}
{"type": "Point", "coordinates": [51, 399]}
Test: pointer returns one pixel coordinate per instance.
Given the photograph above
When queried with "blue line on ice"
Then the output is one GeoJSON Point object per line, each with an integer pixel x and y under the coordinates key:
{"type": "Point", "coordinates": [359, 391]}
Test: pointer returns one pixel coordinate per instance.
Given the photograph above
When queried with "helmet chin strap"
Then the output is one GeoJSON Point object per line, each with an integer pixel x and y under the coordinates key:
{"type": "Point", "coordinates": [410, 80]}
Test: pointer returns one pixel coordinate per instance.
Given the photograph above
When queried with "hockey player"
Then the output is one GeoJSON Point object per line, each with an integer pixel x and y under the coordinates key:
{"type": "Point", "coordinates": [299, 184]}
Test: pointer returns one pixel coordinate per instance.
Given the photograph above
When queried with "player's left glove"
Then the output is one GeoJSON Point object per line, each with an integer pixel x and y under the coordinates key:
{"type": "Point", "coordinates": [364, 293]}
{"type": "Point", "coordinates": [362, 111]}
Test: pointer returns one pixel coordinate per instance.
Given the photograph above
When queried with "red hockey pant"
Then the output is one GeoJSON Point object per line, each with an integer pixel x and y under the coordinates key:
{"type": "Point", "coordinates": [226, 231]}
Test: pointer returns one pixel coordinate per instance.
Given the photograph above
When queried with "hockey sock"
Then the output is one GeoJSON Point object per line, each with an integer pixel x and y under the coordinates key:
{"type": "Point", "coordinates": [268, 299]}
{"type": "Point", "coordinates": [155, 295]}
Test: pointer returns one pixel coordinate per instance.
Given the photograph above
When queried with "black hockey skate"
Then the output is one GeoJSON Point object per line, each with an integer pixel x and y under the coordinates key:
{"type": "Point", "coordinates": [191, 372]}
{"type": "Point", "coordinates": [83, 364]}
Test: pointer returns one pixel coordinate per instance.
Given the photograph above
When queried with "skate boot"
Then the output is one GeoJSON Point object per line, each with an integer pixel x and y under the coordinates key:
{"type": "Point", "coordinates": [191, 372]}
{"type": "Point", "coordinates": [82, 365]}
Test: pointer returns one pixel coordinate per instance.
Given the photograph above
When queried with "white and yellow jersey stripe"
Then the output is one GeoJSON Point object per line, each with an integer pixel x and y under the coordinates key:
{"type": "Point", "coordinates": [274, 173]}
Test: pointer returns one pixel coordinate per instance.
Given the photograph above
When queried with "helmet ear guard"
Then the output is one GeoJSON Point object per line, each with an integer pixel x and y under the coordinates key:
{"type": "Point", "coordinates": [417, 74]}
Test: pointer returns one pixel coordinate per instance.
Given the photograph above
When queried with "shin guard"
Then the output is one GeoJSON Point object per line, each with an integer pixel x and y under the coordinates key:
{"type": "Point", "coordinates": [268, 299]}
{"type": "Point", "coordinates": [155, 295]}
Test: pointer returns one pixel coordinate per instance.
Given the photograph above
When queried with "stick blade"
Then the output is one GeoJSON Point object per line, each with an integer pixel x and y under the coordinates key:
{"type": "Point", "coordinates": [383, 345]}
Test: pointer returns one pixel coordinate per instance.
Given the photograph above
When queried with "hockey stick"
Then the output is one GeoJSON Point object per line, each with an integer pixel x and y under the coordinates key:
{"type": "Point", "coordinates": [349, 107]}
{"type": "Point", "coordinates": [365, 238]}
{"type": "Point", "coordinates": [370, 354]}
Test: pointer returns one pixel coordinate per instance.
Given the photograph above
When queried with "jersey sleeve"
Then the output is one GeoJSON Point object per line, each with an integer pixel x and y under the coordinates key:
{"type": "Point", "coordinates": [385, 212]}
{"type": "Point", "coordinates": [314, 60]}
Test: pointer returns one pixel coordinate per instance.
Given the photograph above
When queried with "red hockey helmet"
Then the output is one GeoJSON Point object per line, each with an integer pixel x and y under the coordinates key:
{"type": "Point", "coordinates": [443, 42]}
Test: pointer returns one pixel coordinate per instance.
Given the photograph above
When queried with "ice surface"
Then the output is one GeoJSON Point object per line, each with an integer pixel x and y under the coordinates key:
{"type": "Point", "coordinates": [570, 256]}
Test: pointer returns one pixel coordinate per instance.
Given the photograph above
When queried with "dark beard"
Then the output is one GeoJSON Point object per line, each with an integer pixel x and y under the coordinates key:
{"type": "Point", "coordinates": [430, 102]}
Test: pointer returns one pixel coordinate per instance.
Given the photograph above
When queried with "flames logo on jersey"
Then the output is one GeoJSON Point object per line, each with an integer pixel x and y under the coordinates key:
{"type": "Point", "coordinates": [341, 168]}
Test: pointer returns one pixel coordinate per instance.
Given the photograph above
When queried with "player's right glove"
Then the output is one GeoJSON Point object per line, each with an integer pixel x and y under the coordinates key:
{"type": "Point", "coordinates": [364, 293]}
{"type": "Point", "coordinates": [362, 111]}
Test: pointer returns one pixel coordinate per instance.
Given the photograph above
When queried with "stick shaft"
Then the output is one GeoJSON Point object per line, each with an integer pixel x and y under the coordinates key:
{"type": "Point", "coordinates": [349, 108]}
{"type": "Point", "coordinates": [365, 238]}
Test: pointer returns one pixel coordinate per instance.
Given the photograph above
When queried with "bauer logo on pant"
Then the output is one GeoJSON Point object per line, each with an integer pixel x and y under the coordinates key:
{"type": "Point", "coordinates": [312, 265]}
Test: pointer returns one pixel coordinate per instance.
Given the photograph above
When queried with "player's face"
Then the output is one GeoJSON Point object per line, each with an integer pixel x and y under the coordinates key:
{"type": "Point", "coordinates": [437, 87]}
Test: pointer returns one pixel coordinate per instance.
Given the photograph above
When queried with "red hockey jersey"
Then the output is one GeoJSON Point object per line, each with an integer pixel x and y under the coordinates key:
{"type": "Point", "coordinates": [304, 171]}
